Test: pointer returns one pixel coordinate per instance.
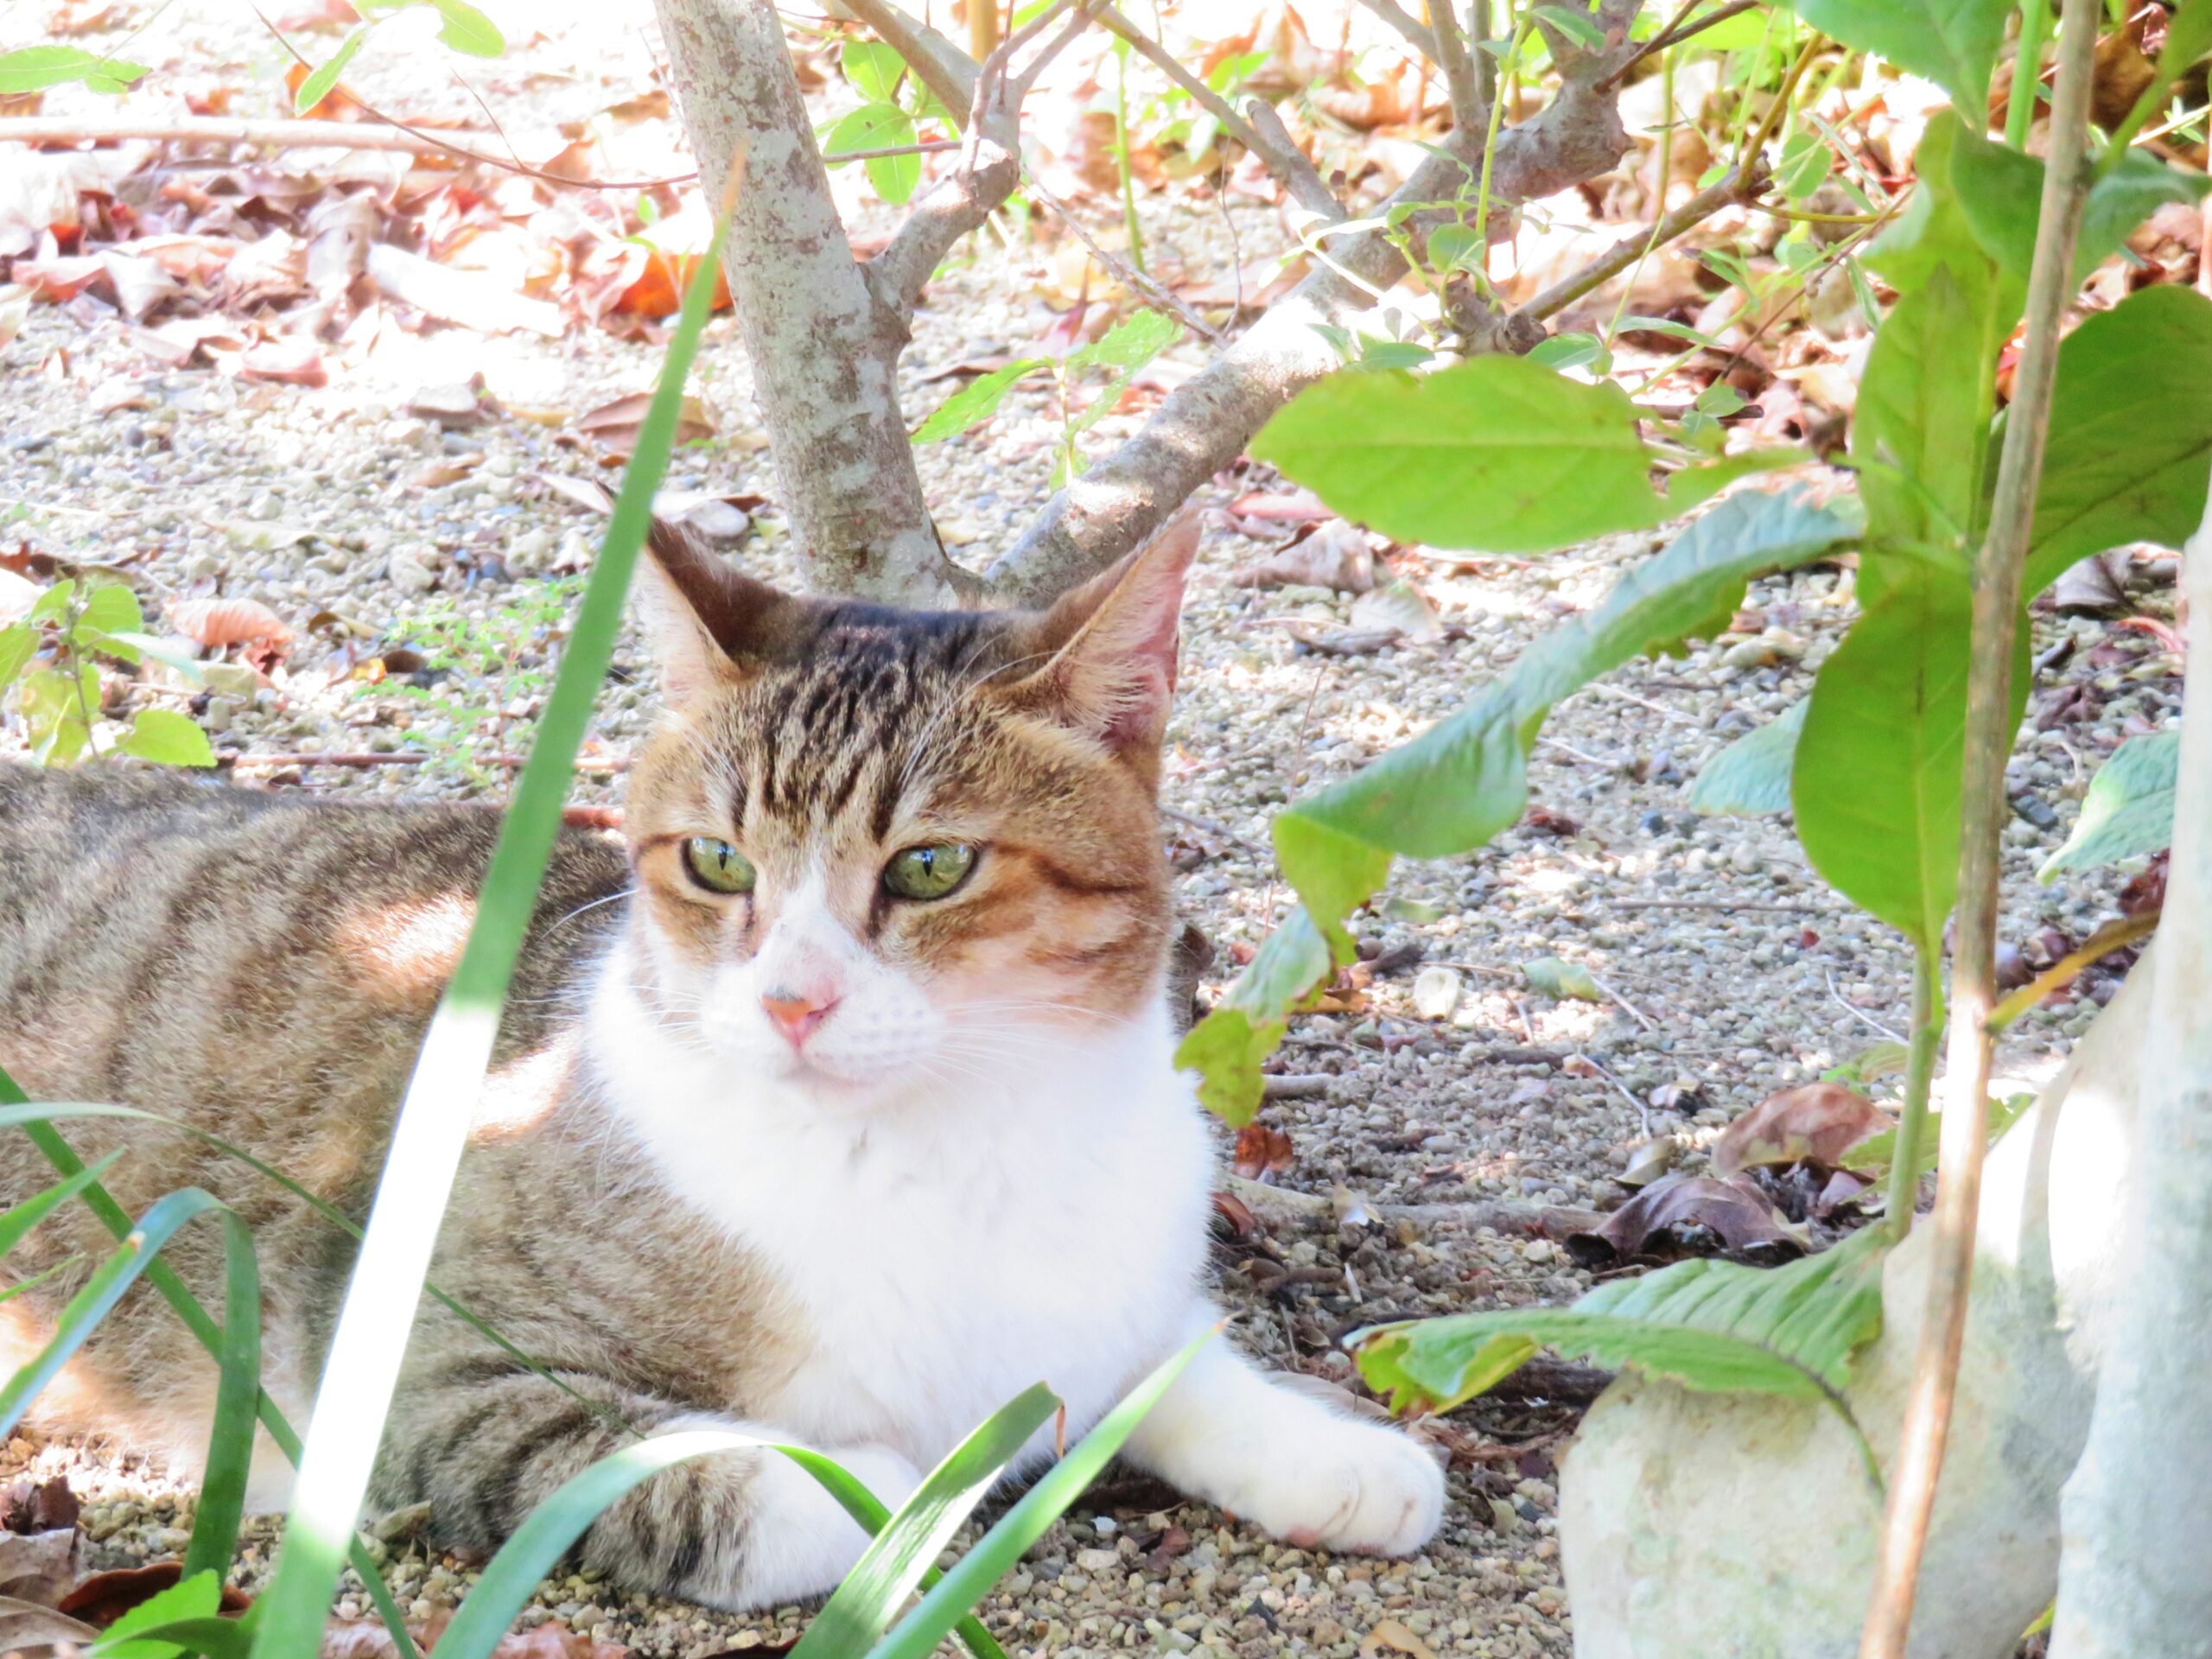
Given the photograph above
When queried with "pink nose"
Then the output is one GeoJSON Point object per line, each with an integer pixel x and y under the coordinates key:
{"type": "Point", "coordinates": [795, 1017]}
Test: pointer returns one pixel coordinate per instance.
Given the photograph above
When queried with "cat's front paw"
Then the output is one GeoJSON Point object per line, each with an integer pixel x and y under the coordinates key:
{"type": "Point", "coordinates": [1346, 1486]}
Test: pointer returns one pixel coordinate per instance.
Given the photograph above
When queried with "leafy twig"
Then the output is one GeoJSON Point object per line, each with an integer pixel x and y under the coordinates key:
{"type": "Point", "coordinates": [1675, 33]}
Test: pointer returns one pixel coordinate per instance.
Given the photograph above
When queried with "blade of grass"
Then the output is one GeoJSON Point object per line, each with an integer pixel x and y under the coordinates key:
{"type": "Point", "coordinates": [365, 1351]}
{"type": "Point", "coordinates": [238, 1392]}
{"type": "Point", "coordinates": [864, 1604]}
{"type": "Point", "coordinates": [918, 1634]}
{"type": "Point", "coordinates": [101, 1291]}
{"type": "Point", "coordinates": [172, 1290]}
{"type": "Point", "coordinates": [17, 1224]}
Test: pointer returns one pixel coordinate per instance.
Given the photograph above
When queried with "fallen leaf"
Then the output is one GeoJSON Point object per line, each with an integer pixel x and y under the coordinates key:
{"type": "Point", "coordinates": [105, 1597]}
{"type": "Point", "coordinates": [26, 1627]}
{"type": "Point", "coordinates": [470, 298]}
{"type": "Point", "coordinates": [1262, 1151]}
{"type": "Point", "coordinates": [615, 425]}
{"type": "Point", "coordinates": [36, 1506]}
{"type": "Point", "coordinates": [1401, 607]}
{"type": "Point", "coordinates": [220, 623]}
{"type": "Point", "coordinates": [1336, 555]}
{"type": "Point", "coordinates": [37, 1567]}
{"type": "Point", "coordinates": [291, 361]}
{"type": "Point", "coordinates": [455, 407]}
{"type": "Point", "coordinates": [1391, 1638]}
{"type": "Point", "coordinates": [1233, 1211]}
{"type": "Point", "coordinates": [1813, 1123]}
{"type": "Point", "coordinates": [1279, 506]}
{"type": "Point", "coordinates": [1688, 1215]}
{"type": "Point", "coordinates": [1556, 978]}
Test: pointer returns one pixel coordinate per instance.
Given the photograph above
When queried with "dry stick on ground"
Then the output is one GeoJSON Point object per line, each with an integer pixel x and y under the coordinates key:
{"type": "Point", "coordinates": [223, 130]}
{"type": "Point", "coordinates": [1987, 742]}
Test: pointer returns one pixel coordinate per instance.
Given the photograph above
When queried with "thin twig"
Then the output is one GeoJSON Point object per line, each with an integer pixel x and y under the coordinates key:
{"type": "Point", "coordinates": [1675, 33]}
{"type": "Point", "coordinates": [226, 130]}
{"type": "Point", "coordinates": [1737, 186]}
{"type": "Point", "coordinates": [1470, 109]}
{"type": "Point", "coordinates": [1987, 742]}
{"type": "Point", "coordinates": [1858, 1013]}
{"type": "Point", "coordinates": [1285, 160]}
{"type": "Point", "coordinates": [1124, 272]}
{"type": "Point", "coordinates": [939, 65]}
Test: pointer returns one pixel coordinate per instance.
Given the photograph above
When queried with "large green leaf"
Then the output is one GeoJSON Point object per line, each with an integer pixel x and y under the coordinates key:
{"type": "Point", "coordinates": [2129, 810]}
{"type": "Point", "coordinates": [34, 68]}
{"type": "Point", "coordinates": [2000, 190]}
{"type": "Point", "coordinates": [1453, 788]}
{"type": "Point", "coordinates": [1920, 438]}
{"type": "Point", "coordinates": [1495, 453]}
{"type": "Point", "coordinates": [1876, 785]}
{"type": "Point", "coordinates": [2131, 431]}
{"type": "Point", "coordinates": [1750, 777]}
{"type": "Point", "coordinates": [1952, 43]}
{"type": "Point", "coordinates": [169, 737]}
{"type": "Point", "coordinates": [1714, 1326]}
{"type": "Point", "coordinates": [869, 1598]}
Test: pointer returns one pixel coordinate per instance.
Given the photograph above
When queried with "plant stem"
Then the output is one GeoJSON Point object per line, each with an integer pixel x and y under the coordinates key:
{"type": "Point", "coordinates": [2027, 71]}
{"type": "Point", "coordinates": [1912, 1121]}
{"type": "Point", "coordinates": [1121, 155]}
{"type": "Point", "coordinates": [1987, 741]}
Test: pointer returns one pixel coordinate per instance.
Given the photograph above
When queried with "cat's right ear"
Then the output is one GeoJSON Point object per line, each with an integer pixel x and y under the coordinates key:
{"type": "Point", "coordinates": [705, 624]}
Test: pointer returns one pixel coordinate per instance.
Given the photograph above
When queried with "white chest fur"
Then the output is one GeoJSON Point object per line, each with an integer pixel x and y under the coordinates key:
{"type": "Point", "coordinates": [1043, 1220]}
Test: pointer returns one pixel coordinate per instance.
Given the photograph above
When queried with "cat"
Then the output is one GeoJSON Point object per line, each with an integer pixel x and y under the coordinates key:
{"type": "Point", "coordinates": [840, 1108]}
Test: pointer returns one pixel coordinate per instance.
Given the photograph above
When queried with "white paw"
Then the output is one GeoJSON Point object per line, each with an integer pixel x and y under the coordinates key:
{"type": "Point", "coordinates": [800, 1541]}
{"type": "Point", "coordinates": [1345, 1486]}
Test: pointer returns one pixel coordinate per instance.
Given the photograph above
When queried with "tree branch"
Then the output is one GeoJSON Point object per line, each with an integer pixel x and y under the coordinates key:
{"type": "Point", "coordinates": [1987, 741]}
{"type": "Point", "coordinates": [1204, 424]}
{"type": "Point", "coordinates": [1738, 185]}
{"type": "Point", "coordinates": [1415, 31]}
{"type": "Point", "coordinates": [943, 68]}
{"type": "Point", "coordinates": [1283, 158]}
{"type": "Point", "coordinates": [1470, 109]}
{"type": "Point", "coordinates": [1675, 33]}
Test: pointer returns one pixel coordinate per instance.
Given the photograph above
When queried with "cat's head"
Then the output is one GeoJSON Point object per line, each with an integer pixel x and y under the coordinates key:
{"type": "Point", "coordinates": [875, 847]}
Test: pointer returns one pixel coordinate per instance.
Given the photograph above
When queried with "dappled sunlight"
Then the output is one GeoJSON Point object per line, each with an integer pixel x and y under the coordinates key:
{"type": "Point", "coordinates": [408, 950]}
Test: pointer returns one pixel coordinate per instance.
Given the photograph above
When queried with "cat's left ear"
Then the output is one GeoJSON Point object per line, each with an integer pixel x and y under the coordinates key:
{"type": "Point", "coordinates": [1114, 641]}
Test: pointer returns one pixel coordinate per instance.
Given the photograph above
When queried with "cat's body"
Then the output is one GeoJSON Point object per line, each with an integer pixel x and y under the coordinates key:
{"type": "Point", "coordinates": [815, 1158]}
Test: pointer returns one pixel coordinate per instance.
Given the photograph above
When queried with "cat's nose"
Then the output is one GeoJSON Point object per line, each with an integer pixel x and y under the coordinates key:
{"type": "Point", "coordinates": [796, 1016]}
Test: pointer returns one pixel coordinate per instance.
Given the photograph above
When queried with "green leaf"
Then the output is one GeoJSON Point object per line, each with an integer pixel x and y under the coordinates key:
{"type": "Point", "coordinates": [1578, 26]}
{"type": "Point", "coordinates": [101, 1293]}
{"type": "Point", "coordinates": [53, 605]}
{"type": "Point", "coordinates": [1750, 777]}
{"type": "Point", "coordinates": [1453, 788]}
{"type": "Point", "coordinates": [1375, 355]}
{"type": "Point", "coordinates": [110, 608]}
{"type": "Point", "coordinates": [1129, 344]}
{"type": "Point", "coordinates": [237, 1396]}
{"type": "Point", "coordinates": [132, 647]}
{"type": "Point", "coordinates": [995, 1553]}
{"type": "Point", "coordinates": [18, 643]}
{"type": "Point", "coordinates": [974, 404]}
{"type": "Point", "coordinates": [15, 1223]}
{"type": "Point", "coordinates": [1952, 43]}
{"type": "Point", "coordinates": [1920, 437]}
{"type": "Point", "coordinates": [1874, 1154]}
{"type": "Point", "coordinates": [879, 126]}
{"type": "Point", "coordinates": [873, 68]}
{"type": "Point", "coordinates": [2129, 810]}
{"type": "Point", "coordinates": [1454, 247]}
{"type": "Point", "coordinates": [1562, 980]}
{"type": "Point", "coordinates": [1876, 783]}
{"type": "Point", "coordinates": [33, 68]}
{"type": "Point", "coordinates": [877, 1587]}
{"type": "Point", "coordinates": [1573, 350]}
{"type": "Point", "coordinates": [1495, 453]}
{"type": "Point", "coordinates": [467, 29]}
{"type": "Point", "coordinates": [320, 80]}
{"type": "Point", "coordinates": [2131, 431]}
{"type": "Point", "coordinates": [197, 1595]}
{"type": "Point", "coordinates": [1806, 160]}
{"type": "Point", "coordinates": [167, 737]}
{"type": "Point", "coordinates": [2000, 191]}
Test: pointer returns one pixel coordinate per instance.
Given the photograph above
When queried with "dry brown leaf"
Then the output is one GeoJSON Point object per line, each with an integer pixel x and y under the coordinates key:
{"type": "Point", "coordinates": [1262, 1151]}
{"type": "Point", "coordinates": [1336, 554]}
{"type": "Point", "coordinates": [27, 1627]}
{"type": "Point", "coordinates": [614, 426]}
{"type": "Point", "coordinates": [220, 623]}
{"type": "Point", "coordinates": [37, 1506]}
{"type": "Point", "coordinates": [1392, 1640]}
{"type": "Point", "coordinates": [1687, 1214]}
{"type": "Point", "coordinates": [38, 1567]}
{"type": "Point", "coordinates": [104, 1598]}
{"type": "Point", "coordinates": [1816, 1122]}
{"type": "Point", "coordinates": [291, 361]}
{"type": "Point", "coordinates": [467, 297]}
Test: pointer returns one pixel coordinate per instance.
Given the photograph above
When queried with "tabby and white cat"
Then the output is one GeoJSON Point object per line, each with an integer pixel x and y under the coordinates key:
{"type": "Point", "coordinates": [842, 1110]}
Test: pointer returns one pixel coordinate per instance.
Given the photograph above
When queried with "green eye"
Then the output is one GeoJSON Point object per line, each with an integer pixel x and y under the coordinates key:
{"type": "Point", "coordinates": [929, 872]}
{"type": "Point", "coordinates": [717, 865]}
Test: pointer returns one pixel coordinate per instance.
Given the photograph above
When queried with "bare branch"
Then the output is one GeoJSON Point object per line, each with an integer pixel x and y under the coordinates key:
{"type": "Point", "coordinates": [990, 166]}
{"type": "Point", "coordinates": [1283, 158]}
{"type": "Point", "coordinates": [1470, 109]}
{"type": "Point", "coordinates": [1124, 272]}
{"type": "Point", "coordinates": [943, 68]}
{"type": "Point", "coordinates": [1415, 32]}
{"type": "Point", "coordinates": [1737, 185]}
{"type": "Point", "coordinates": [1206, 423]}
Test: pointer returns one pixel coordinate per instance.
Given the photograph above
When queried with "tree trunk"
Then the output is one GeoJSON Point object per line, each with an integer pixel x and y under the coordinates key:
{"type": "Point", "coordinates": [2138, 1508]}
{"type": "Point", "coordinates": [823, 348]}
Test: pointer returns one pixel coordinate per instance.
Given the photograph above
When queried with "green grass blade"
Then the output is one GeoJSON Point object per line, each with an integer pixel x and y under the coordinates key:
{"type": "Point", "coordinates": [16, 1223]}
{"type": "Point", "coordinates": [865, 1603]}
{"type": "Point", "coordinates": [173, 1291]}
{"type": "Point", "coordinates": [363, 1368]}
{"type": "Point", "coordinates": [101, 1293]}
{"type": "Point", "coordinates": [237, 1392]}
{"type": "Point", "coordinates": [38, 1278]}
{"type": "Point", "coordinates": [918, 1634]}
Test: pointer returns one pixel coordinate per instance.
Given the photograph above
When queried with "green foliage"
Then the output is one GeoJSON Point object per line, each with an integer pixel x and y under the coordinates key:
{"type": "Point", "coordinates": [975, 403]}
{"type": "Point", "coordinates": [1557, 979]}
{"type": "Point", "coordinates": [1952, 43]}
{"type": "Point", "coordinates": [1873, 1155]}
{"type": "Point", "coordinates": [1713, 1326]}
{"type": "Point", "coordinates": [461, 27]}
{"type": "Point", "coordinates": [46, 661]}
{"type": "Point", "coordinates": [878, 126]}
{"type": "Point", "coordinates": [1496, 453]}
{"type": "Point", "coordinates": [488, 678]}
{"type": "Point", "coordinates": [1750, 777]}
{"type": "Point", "coordinates": [324, 76]}
{"type": "Point", "coordinates": [34, 68]}
{"type": "Point", "coordinates": [1876, 781]}
{"type": "Point", "coordinates": [197, 1595]}
{"type": "Point", "coordinates": [2129, 810]}
{"type": "Point", "coordinates": [2131, 431]}
{"type": "Point", "coordinates": [1455, 786]}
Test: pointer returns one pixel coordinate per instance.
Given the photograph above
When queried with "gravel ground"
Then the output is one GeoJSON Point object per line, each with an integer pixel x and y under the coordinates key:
{"type": "Point", "coordinates": [1736, 970]}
